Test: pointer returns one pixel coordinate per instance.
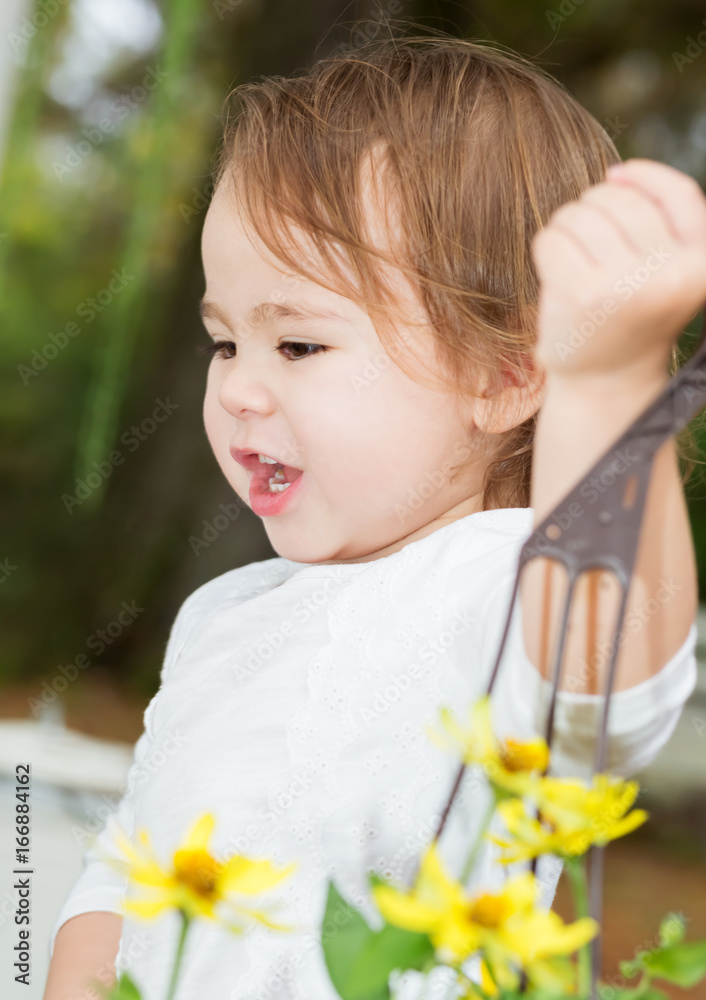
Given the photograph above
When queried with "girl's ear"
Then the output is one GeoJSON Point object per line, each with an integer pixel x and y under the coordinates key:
{"type": "Point", "coordinates": [509, 398]}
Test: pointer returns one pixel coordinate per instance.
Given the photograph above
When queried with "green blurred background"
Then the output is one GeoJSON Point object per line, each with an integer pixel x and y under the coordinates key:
{"type": "Point", "coordinates": [110, 113]}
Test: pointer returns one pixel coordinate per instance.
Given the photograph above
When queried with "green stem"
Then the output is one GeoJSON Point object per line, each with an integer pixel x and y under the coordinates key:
{"type": "Point", "coordinates": [576, 870]}
{"type": "Point", "coordinates": [478, 843]}
{"type": "Point", "coordinates": [179, 954]}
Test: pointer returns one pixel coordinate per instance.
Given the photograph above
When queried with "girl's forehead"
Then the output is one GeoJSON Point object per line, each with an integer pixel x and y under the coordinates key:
{"type": "Point", "coordinates": [238, 265]}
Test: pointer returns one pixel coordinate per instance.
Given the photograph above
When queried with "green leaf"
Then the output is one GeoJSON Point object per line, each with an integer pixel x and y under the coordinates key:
{"type": "Point", "coordinates": [638, 992]}
{"type": "Point", "coordinates": [124, 989]}
{"type": "Point", "coordinates": [388, 949]}
{"type": "Point", "coordinates": [672, 929]}
{"type": "Point", "coordinates": [630, 968]}
{"type": "Point", "coordinates": [683, 964]}
{"type": "Point", "coordinates": [128, 989]}
{"type": "Point", "coordinates": [359, 960]}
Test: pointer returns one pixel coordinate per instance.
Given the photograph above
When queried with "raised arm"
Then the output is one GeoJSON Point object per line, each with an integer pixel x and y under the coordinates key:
{"type": "Point", "coordinates": [622, 271]}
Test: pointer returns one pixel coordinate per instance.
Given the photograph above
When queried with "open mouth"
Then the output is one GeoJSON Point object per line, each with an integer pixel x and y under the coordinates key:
{"type": "Point", "coordinates": [277, 476]}
{"type": "Point", "coordinates": [269, 475]}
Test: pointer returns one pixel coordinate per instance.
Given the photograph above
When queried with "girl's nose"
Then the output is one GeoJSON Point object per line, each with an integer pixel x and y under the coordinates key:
{"type": "Point", "coordinates": [243, 389]}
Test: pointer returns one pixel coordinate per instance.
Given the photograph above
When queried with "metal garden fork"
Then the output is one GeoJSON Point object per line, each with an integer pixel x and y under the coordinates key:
{"type": "Point", "coordinates": [606, 536]}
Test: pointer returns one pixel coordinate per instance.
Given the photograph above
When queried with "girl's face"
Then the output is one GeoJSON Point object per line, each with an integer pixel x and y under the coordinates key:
{"type": "Point", "coordinates": [368, 451]}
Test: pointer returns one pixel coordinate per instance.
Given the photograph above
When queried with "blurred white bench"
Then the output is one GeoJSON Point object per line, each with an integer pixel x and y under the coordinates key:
{"type": "Point", "coordinates": [61, 756]}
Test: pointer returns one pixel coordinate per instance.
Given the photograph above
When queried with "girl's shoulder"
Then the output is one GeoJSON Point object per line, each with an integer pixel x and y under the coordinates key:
{"type": "Point", "coordinates": [225, 591]}
{"type": "Point", "coordinates": [483, 555]}
{"type": "Point", "coordinates": [240, 583]}
{"type": "Point", "coordinates": [498, 523]}
{"type": "Point", "coordinates": [487, 536]}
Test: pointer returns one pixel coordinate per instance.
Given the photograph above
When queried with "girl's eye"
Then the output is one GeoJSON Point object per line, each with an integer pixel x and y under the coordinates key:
{"type": "Point", "coordinates": [226, 349]}
{"type": "Point", "coordinates": [315, 349]}
{"type": "Point", "coordinates": [219, 348]}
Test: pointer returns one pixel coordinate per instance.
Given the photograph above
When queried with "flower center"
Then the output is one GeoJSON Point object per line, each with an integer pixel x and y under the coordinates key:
{"type": "Point", "coordinates": [517, 756]}
{"type": "Point", "coordinates": [198, 871]}
{"type": "Point", "coordinates": [488, 911]}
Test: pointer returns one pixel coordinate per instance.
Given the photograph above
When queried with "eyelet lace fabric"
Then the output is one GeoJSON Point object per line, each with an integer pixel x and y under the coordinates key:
{"type": "Point", "coordinates": [293, 706]}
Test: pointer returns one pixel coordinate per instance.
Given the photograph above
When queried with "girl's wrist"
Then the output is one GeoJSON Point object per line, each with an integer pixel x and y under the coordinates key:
{"type": "Point", "coordinates": [629, 389]}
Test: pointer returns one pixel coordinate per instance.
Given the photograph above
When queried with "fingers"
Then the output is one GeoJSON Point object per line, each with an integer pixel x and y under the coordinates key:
{"type": "Point", "coordinates": [636, 215]}
{"type": "Point", "coordinates": [676, 195]}
{"type": "Point", "coordinates": [647, 205]}
{"type": "Point", "coordinates": [559, 257]}
{"type": "Point", "coordinates": [596, 231]}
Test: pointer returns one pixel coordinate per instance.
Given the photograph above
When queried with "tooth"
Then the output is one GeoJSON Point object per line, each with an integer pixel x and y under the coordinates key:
{"type": "Point", "coordinates": [278, 487]}
{"type": "Point", "coordinates": [269, 461]}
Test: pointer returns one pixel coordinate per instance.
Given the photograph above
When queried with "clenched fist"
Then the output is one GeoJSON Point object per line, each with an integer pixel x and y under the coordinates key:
{"type": "Point", "coordinates": [622, 270]}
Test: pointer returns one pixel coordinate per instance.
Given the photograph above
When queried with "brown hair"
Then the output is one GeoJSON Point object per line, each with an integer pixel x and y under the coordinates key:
{"type": "Point", "coordinates": [481, 146]}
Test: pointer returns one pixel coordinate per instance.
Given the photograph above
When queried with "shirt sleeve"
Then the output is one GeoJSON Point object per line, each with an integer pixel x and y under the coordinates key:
{"type": "Point", "coordinates": [100, 886]}
{"type": "Point", "coordinates": [640, 720]}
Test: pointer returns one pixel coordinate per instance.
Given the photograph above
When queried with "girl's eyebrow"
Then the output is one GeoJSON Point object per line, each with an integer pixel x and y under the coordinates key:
{"type": "Point", "coordinates": [273, 312]}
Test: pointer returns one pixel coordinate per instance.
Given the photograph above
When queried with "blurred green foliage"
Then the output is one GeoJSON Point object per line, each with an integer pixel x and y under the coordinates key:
{"type": "Point", "coordinates": [100, 228]}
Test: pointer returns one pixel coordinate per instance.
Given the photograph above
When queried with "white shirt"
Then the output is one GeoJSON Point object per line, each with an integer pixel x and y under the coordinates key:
{"type": "Point", "coordinates": [292, 705]}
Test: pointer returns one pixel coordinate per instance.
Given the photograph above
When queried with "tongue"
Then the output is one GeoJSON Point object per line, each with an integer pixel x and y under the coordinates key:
{"type": "Point", "coordinates": [290, 473]}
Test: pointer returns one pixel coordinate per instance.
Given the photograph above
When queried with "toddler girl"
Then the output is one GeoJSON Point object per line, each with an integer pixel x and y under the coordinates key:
{"type": "Point", "coordinates": [374, 308]}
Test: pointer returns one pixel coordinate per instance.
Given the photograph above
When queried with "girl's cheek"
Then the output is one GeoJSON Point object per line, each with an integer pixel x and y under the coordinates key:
{"type": "Point", "coordinates": [213, 416]}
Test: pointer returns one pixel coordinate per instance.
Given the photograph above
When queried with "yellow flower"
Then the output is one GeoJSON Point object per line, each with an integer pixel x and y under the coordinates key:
{"type": "Point", "coordinates": [505, 926]}
{"type": "Point", "coordinates": [540, 938]}
{"type": "Point", "coordinates": [508, 763]}
{"type": "Point", "coordinates": [196, 883]}
{"type": "Point", "coordinates": [574, 816]}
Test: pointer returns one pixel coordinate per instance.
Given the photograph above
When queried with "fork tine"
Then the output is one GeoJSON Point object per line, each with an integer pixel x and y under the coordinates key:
{"type": "Point", "coordinates": [606, 536]}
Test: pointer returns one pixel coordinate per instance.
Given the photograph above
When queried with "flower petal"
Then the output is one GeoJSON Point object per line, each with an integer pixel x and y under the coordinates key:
{"type": "Point", "coordinates": [147, 908]}
{"type": "Point", "coordinates": [521, 892]}
{"type": "Point", "coordinates": [626, 825]}
{"type": "Point", "coordinates": [263, 918]}
{"type": "Point", "coordinates": [251, 876]}
{"type": "Point", "coordinates": [404, 910]}
{"type": "Point", "coordinates": [199, 834]}
{"type": "Point", "coordinates": [433, 885]}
